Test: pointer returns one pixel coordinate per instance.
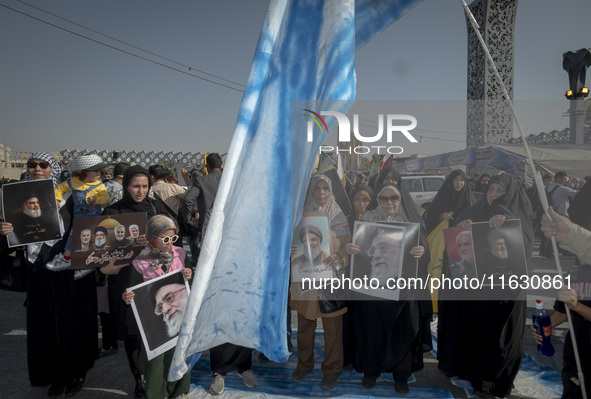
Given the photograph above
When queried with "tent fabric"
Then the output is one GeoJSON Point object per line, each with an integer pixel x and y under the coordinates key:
{"type": "Point", "coordinates": [575, 160]}
{"type": "Point", "coordinates": [306, 52]}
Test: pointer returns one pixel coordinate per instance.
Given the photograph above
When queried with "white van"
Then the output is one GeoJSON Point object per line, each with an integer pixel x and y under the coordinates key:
{"type": "Point", "coordinates": [423, 188]}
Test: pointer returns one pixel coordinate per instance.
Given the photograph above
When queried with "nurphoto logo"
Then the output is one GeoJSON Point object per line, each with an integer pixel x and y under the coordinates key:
{"type": "Point", "coordinates": [392, 122]}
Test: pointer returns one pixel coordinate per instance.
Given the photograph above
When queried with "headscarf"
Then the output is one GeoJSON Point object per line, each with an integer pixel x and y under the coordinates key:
{"type": "Point", "coordinates": [388, 169]}
{"type": "Point", "coordinates": [406, 201]}
{"type": "Point", "coordinates": [146, 205]}
{"type": "Point", "coordinates": [56, 169]}
{"type": "Point", "coordinates": [156, 226]}
{"type": "Point", "coordinates": [363, 190]}
{"type": "Point", "coordinates": [336, 217]}
{"type": "Point", "coordinates": [449, 200]}
{"type": "Point", "coordinates": [481, 188]}
{"type": "Point", "coordinates": [514, 204]}
{"type": "Point", "coordinates": [380, 216]}
{"type": "Point", "coordinates": [330, 208]}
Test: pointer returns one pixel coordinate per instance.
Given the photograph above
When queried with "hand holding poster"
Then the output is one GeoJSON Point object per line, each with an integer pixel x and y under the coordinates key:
{"type": "Point", "coordinates": [159, 307]}
{"type": "Point", "coordinates": [31, 208]}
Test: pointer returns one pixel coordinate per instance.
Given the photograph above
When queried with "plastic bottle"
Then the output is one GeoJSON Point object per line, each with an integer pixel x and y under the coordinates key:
{"type": "Point", "coordinates": [543, 325]}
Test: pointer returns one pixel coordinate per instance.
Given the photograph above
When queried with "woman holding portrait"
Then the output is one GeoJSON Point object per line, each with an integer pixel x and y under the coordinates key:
{"type": "Point", "coordinates": [62, 332]}
{"type": "Point", "coordinates": [391, 336]}
{"type": "Point", "coordinates": [136, 185]}
{"type": "Point", "coordinates": [320, 200]}
{"type": "Point", "coordinates": [482, 340]}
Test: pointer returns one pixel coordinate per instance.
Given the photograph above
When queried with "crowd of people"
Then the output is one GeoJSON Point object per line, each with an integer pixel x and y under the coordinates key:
{"type": "Point", "coordinates": [478, 340]}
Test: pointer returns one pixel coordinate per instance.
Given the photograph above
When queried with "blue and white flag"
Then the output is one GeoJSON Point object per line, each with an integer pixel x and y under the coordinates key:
{"type": "Point", "coordinates": [305, 52]}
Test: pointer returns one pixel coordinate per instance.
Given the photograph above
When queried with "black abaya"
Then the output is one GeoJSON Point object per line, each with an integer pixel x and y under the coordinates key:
{"type": "Point", "coordinates": [482, 341]}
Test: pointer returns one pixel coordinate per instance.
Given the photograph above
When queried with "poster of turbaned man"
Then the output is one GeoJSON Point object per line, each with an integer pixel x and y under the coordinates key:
{"type": "Point", "coordinates": [100, 240]}
{"type": "Point", "coordinates": [312, 237]}
{"type": "Point", "coordinates": [159, 308]}
{"type": "Point", "coordinates": [499, 253]}
{"type": "Point", "coordinates": [31, 208]}
{"type": "Point", "coordinates": [384, 258]}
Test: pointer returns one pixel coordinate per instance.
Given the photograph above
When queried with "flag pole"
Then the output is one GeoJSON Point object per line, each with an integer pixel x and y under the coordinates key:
{"type": "Point", "coordinates": [537, 179]}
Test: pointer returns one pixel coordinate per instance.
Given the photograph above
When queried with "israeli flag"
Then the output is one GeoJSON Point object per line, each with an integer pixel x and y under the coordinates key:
{"type": "Point", "coordinates": [306, 52]}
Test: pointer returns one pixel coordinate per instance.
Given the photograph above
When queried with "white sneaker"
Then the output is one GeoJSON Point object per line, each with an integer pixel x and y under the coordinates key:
{"type": "Point", "coordinates": [249, 379]}
{"type": "Point", "coordinates": [78, 274]}
{"type": "Point", "coordinates": [217, 384]}
{"type": "Point", "coordinates": [58, 264]}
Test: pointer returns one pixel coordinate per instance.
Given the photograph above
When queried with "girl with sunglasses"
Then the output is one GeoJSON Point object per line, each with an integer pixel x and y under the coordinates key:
{"type": "Point", "coordinates": [159, 257]}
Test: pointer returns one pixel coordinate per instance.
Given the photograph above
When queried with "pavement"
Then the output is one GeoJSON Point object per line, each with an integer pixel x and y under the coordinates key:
{"type": "Point", "coordinates": [111, 378]}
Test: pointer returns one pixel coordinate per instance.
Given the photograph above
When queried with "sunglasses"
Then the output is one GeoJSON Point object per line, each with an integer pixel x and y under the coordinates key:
{"type": "Point", "coordinates": [33, 164]}
{"type": "Point", "coordinates": [168, 299]}
{"type": "Point", "coordinates": [392, 198]}
{"type": "Point", "coordinates": [168, 239]}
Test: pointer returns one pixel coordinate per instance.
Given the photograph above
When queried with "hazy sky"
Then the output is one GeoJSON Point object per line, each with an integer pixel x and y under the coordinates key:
{"type": "Point", "coordinates": [59, 90]}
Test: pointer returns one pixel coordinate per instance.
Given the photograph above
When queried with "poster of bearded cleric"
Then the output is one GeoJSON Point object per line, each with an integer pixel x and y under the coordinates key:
{"type": "Point", "coordinates": [159, 308]}
{"type": "Point", "coordinates": [100, 240]}
{"type": "Point", "coordinates": [384, 260]}
{"type": "Point", "coordinates": [499, 253]}
{"type": "Point", "coordinates": [312, 237]}
{"type": "Point", "coordinates": [31, 208]}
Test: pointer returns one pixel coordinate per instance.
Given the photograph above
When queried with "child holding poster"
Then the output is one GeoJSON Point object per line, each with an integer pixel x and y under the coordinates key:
{"type": "Point", "coordinates": [158, 258]}
{"type": "Point", "coordinates": [89, 195]}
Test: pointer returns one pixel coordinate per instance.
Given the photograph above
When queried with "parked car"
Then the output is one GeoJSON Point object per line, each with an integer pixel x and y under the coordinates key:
{"type": "Point", "coordinates": [423, 188]}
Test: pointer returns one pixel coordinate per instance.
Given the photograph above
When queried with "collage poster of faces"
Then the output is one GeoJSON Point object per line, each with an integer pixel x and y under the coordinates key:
{"type": "Point", "coordinates": [31, 208]}
{"type": "Point", "coordinates": [312, 236]}
{"type": "Point", "coordinates": [100, 240]}
{"type": "Point", "coordinates": [159, 308]}
{"type": "Point", "coordinates": [485, 251]}
{"type": "Point", "coordinates": [384, 254]}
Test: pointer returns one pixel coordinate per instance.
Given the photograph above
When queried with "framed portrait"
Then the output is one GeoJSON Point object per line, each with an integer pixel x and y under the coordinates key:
{"type": "Point", "coordinates": [410, 264]}
{"type": "Point", "coordinates": [460, 253]}
{"type": "Point", "coordinates": [313, 238]}
{"type": "Point", "coordinates": [381, 257]}
{"type": "Point", "coordinates": [499, 252]}
{"type": "Point", "coordinates": [99, 240]}
{"type": "Point", "coordinates": [159, 308]}
{"type": "Point", "coordinates": [31, 208]}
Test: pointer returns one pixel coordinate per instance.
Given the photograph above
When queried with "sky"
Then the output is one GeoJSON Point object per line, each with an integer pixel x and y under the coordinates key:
{"type": "Point", "coordinates": [63, 91]}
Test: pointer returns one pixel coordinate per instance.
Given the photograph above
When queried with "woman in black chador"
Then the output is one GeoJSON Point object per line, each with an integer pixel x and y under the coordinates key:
{"type": "Point", "coordinates": [453, 198]}
{"type": "Point", "coordinates": [482, 340]}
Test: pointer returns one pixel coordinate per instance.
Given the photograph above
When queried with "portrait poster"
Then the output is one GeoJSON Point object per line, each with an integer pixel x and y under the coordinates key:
{"type": "Point", "coordinates": [31, 208]}
{"type": "Point", "coordinates": [499, 252]}
{"type": "Point", "coordinates": [340, 195]}
{"type": "Point", "coordinates": [168, 296]}
{"type": "Point", "coordinates": [410, 264]}
{"type": "Point", "coordinates": [313, 238]}
{"type": "Point", "coordinates": [100, 240]}
{"type": "Point", "coordinates": [460, 253]}
{"type": "Point", "coordinates": [381, 256]}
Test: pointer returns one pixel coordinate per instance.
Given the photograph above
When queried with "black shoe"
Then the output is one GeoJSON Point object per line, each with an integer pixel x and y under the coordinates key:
{"type": "Point", "coordinates": [107, 352]}
{"type": "Point", "coordinates": [298, 376]}
{"type": "Point", "coordinates": [401, 387]}
{"type": "Point", "coordinates": [328, 383]}
{"type": "Point", "coordinates": [56, 389]}
{"type": "Point", "coordinates": [368, 382]}
{"type": "Point", "coordinates": [140, 386]}
{"type": "Point", "coordinates": [348, 367]}
{"type": "Point", "coordinates": [74, 386]}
